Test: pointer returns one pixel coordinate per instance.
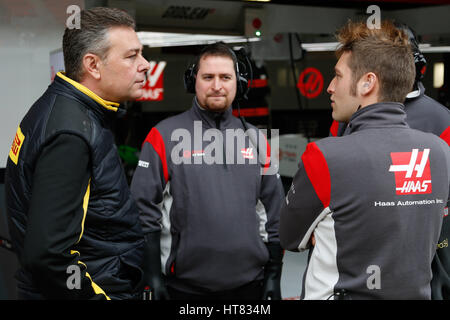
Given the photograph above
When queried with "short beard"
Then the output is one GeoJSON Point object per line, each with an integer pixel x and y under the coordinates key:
{"type": "Point", "coordinates": [216, 109]}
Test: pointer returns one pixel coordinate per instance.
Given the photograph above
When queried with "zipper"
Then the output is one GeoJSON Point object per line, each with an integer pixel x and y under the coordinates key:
{"type": "Point", "coordinates": [217, 119]}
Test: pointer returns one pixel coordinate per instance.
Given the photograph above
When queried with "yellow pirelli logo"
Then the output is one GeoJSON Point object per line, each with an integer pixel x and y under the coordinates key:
{"type": "Point", "coordinates": [16, 145]}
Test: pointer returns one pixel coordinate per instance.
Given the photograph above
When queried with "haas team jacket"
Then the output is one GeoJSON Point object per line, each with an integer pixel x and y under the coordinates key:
{"type": "Point", "coordinates": [214, 216]}
{"type": "Point", "coordinates": [427, 115]}
{"type": "Point", "coordinates": [374, 199]}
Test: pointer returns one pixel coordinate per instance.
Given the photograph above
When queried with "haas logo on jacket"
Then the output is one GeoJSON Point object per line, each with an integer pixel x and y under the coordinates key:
{"type": "Point", "coordinates": [412, 172]}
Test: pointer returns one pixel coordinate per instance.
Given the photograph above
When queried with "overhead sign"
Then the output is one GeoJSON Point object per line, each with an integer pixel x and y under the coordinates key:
{"type": "Point", "coordinates": [189, 13]}
{"type": "Point", "coordinates": [154, 86]}
{"type": "Point", "coordinates": [310, 83]}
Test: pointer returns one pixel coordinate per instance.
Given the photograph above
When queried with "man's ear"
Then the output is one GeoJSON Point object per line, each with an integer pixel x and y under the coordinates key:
{"type": "Point", "coordinates": [91, 63]}
{"type": "Point", "coordinates": [368, 83]}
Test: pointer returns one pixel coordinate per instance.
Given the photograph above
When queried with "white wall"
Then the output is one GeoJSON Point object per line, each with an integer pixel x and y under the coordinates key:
{"type": "Point", "coordinates": [29, 31]}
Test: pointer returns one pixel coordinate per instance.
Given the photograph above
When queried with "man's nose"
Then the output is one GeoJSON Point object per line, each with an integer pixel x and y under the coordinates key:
{"type": "Point", "coordinates": [217, 84]}
{"type": "Point", "coordinates": [330, 88]}
{"type": "Point", "coordinates": [144, 66]}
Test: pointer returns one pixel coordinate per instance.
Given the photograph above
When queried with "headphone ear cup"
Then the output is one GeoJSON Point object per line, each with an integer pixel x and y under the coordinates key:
{"type": "Point", "coordinates": [421, 63]}
{"type": "Point", "coordinates": [189, 79]}
{"type": "Point", "coordinates": [242, 86]}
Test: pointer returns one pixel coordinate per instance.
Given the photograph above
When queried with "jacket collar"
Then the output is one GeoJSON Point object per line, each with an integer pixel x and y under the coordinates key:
{"type": "Point", "coordinates": [377, 115]}
{"type": "Point", "coordinates": [211, 119]}
{"type": "Point", "coordinates": [86, 93]}
{"type": "Point", "coordinates": [419, 91]}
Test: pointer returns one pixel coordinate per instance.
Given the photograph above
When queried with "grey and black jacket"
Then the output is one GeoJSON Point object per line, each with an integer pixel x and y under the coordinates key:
{"type": "Point", "coordinates": [213, 206]}
{"type": "Point", "coordinates": [374, 199]}
{"type": "Point", "coordinates": [427, 115]}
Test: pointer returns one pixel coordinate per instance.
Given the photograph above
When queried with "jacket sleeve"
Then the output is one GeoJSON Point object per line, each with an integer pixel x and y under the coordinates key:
{"type": "Point", "coordinates": [307, 201]}
{"type": "Point", "coordinates": [149, 181]}
{"type": "Point", "coordinates": [271, 197]}
{"type": "Point", "coordinates": [440, 284]}
{"type": "Point", "coordinates": [271, 193]}
{"type": "Point", "coordinates": [56, 218]}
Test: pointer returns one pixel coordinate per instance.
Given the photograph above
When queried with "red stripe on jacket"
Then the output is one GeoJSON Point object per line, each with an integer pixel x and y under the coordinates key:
{"type": "Point", "coordinates": [446, 135]}
{"type": "Point", "coordinates": [156, 140]}
{"type": "Point", "coordinates": [316, 168]}
{"type": "Point", "coordinates": [252, 112]}
{"type": "Point", "coordinates": [334, 128]}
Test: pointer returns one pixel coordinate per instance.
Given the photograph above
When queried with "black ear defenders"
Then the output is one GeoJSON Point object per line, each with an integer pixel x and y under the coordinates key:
{"type": "Point", "coordinates": [419, 59]}
{"type": "Point", "coordinates": [189, 79]}
{"type": "Point", "coordinates": [421, 65]}
{"type": "Point", "coordinates": [241, 79]}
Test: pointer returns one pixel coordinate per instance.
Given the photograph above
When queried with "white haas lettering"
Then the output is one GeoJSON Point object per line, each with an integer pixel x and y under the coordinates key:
{"type": "Point", "coordinates": [411, 186]}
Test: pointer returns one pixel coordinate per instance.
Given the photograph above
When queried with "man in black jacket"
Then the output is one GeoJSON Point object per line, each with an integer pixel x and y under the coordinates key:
{"type": "Point", "coordinates": [73, 223]}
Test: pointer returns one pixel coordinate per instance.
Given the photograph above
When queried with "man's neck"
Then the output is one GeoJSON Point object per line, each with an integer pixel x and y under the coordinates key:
{"type": "Point", "coordinates": [91, 85]}
{"type": "Point", "coordinates": [368, 101]}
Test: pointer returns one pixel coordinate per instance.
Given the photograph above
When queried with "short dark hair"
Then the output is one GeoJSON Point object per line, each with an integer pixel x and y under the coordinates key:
{"type": "Point", "coordinates": [218, 49]}
{"type": "Point", "coordinates": [91, 37]}
{"type": "Point", "coordinates": [385, 51]}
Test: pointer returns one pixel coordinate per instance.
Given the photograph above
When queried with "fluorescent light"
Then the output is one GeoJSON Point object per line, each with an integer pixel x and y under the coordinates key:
{"type": "Point", "coordinates": [167, 39]}
{"type": "Point", "coordinates": [320, 46]}
{"type": "Point", "coordinates": [424, 45]}
{"type": "Point", "coordinates": [332, 46]}
{"type": "Point", "coordinates": [438, 74]}
{"type": "Point", "coordinates": [436, 49]}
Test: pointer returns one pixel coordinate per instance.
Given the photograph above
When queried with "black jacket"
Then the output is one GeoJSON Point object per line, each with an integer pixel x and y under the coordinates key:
{"type": "Point", "coordinates": [72, 220]}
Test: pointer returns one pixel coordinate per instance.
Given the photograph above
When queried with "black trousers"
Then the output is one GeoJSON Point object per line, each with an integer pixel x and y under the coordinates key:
{"type": "Point", "coordinates": [250, 291]}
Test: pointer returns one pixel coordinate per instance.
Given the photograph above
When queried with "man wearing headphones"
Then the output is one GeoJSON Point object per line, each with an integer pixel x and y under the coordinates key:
{"type": "Point", "coordinates": [210, 218]}
{"type": "Point", "coordinates": [424, 114]}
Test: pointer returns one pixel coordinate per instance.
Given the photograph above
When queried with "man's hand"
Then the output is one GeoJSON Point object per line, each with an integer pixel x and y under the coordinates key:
{"type": "Point", "coordinates": [154, 282]}
{"type": "Point", "coordinates": [272, 272]}
{"type": "Point", "coordinates": [313, 240]}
